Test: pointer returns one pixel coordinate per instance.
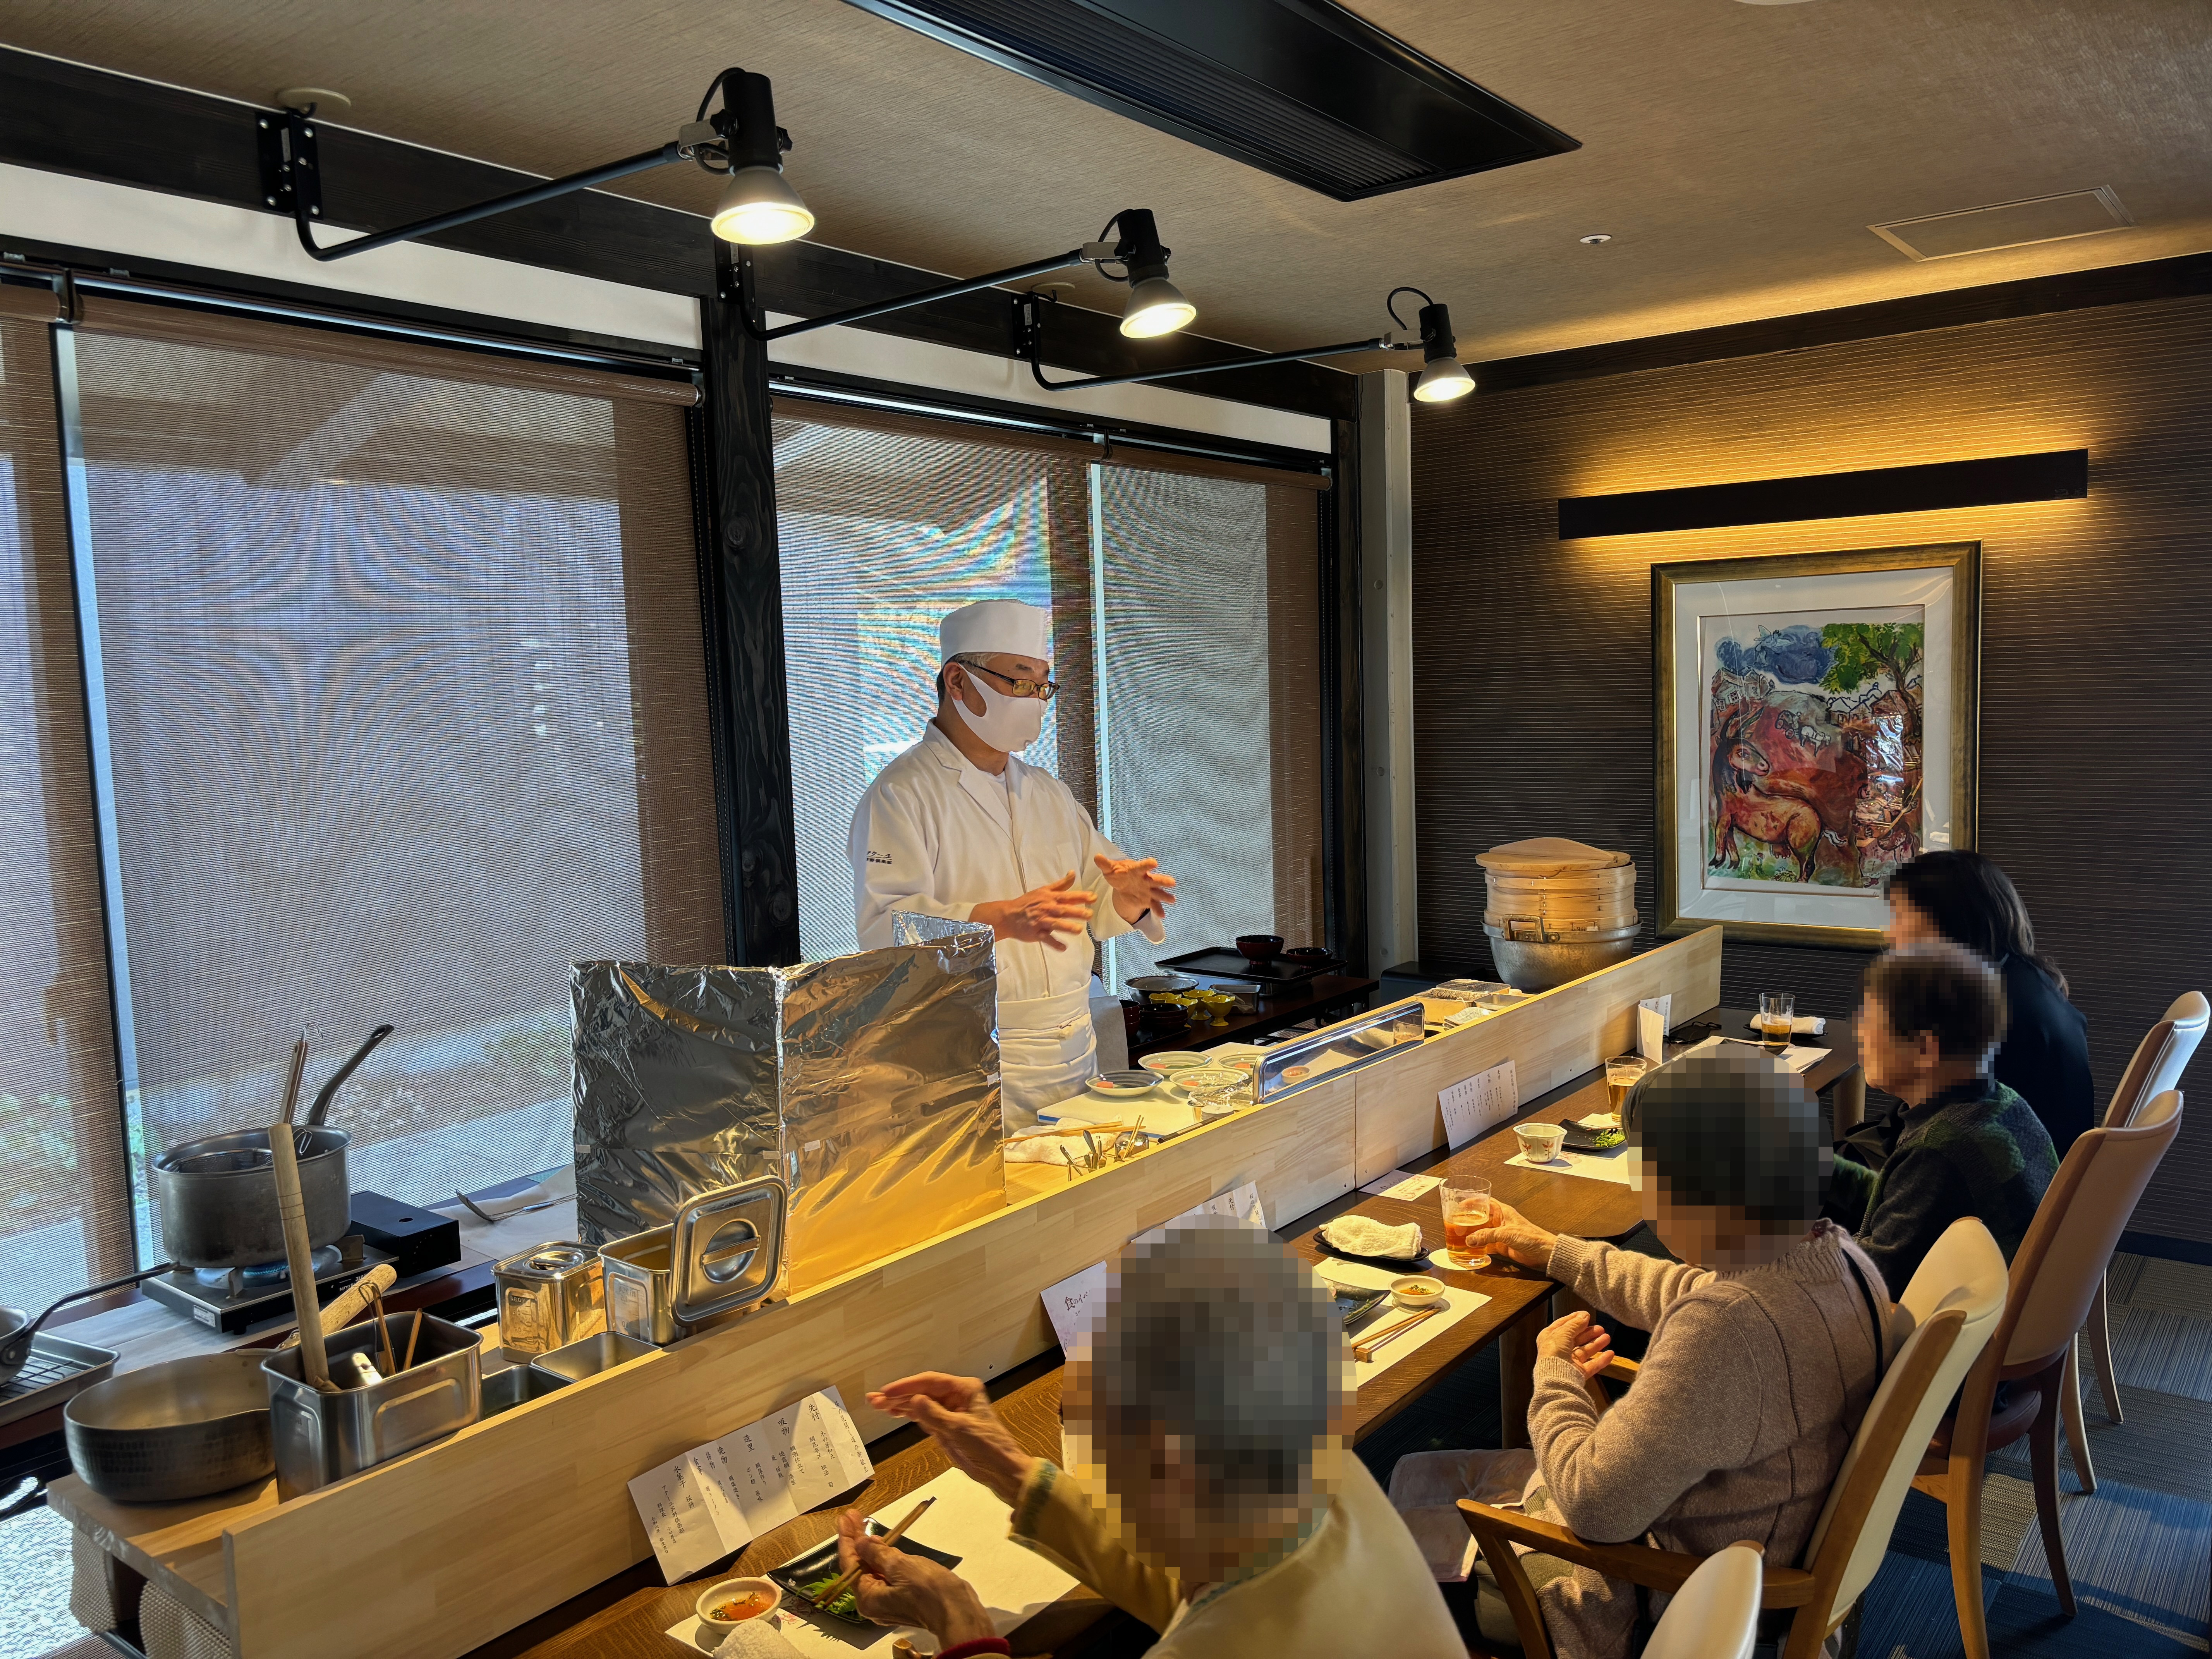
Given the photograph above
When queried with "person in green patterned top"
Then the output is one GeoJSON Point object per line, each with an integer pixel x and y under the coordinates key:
{"type": "Point", "coordinates": [1933, 1014]}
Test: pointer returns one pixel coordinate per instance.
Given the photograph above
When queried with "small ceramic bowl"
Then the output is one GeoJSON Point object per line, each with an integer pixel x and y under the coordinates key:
{"type": "Point", "coordinates": [1417, 1290]}
{"type": "Point", "coordinates": [1305, 954]}
{"type": "Point", "coordinates": [1121, 1085]}
{"type": "Point", "coordinates": [764, 1594]}
{"type": "Point", "coordinates": [1259, 948]}
{"type": "Point", "coordinates": [1171, 1061]}
{"type": "Point", "coordinates": [1539, 1142]}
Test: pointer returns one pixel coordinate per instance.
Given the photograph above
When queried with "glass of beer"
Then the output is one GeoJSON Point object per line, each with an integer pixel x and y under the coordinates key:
{"type": "Point", "coordinates": [1777, 1017]}
{"type": "Point", "coordinates": [1467, 1208]}
{"type": "Point", "coordinates": [1621, 1077]}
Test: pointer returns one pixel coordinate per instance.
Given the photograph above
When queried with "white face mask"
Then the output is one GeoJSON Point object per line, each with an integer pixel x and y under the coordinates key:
{"type": "Point", "coordinates": [1007, 722]}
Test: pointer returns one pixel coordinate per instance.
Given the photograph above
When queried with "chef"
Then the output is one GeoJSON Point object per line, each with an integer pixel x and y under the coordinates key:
{"type": "Point", "coordinates": [956, 827]}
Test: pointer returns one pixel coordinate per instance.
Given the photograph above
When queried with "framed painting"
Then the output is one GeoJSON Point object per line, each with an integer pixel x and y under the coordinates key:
{"type": "Point", "coordinates": [1816, 722]}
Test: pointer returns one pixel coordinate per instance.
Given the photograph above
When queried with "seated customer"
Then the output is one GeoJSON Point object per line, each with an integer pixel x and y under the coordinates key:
{"type": "Point", "coordinates": [1967, 900]}
{"type": "Point", "coordinates": [1964, 1144]}
{"type": "Point", "coordinates": [1213, 1496]}
{"type": "Point", "coordinates": [1766, 1346]}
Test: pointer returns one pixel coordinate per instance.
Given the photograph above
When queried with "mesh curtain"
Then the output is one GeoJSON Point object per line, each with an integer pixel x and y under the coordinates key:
{"type": "Point", "coordinates": [64, 1210]}
{"type": "Point", "coordinates": [407, 710]}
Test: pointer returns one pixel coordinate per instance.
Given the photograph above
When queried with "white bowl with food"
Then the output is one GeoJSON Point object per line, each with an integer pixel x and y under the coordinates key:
{"type": "Point", "coordinates": [1123, 1085]}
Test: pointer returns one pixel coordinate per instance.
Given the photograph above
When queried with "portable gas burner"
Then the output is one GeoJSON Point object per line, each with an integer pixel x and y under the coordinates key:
{"type": "Point", "coordinates": [232, 1299]}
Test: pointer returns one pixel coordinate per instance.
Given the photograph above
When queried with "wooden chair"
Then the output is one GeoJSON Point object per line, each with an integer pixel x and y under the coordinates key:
{"type": "Point", "coordinates": [2159, 1059]}
{"type": "Point", "coordinates": [2054, 1276]}
{"type": "Point", "coordinates": [1714, 1615]}
{"type": "Point", "coordinates": [1956, 1299]}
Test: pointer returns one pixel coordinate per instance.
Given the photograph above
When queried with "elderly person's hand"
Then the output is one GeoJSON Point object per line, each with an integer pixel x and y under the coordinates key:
{"type": "Point", "coordinates": [956, 1413]}
{"type": "Point", "coordinates": [894, 1587]}
{"type": "Point", "coordinates": [1512, 1235]}
{"type": "Point", "coordinates": [1582, 1344]}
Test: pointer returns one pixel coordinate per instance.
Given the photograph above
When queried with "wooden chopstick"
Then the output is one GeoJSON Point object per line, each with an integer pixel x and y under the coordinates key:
{"type": "Point", "coordinates": [384, 1335]}
{"type": "Point", "coordinates": [413, 1336]}
{"type": "Point", "coordinates": [1365, 1350]}
{"type": "Point", "coordinates": [890, 1539]}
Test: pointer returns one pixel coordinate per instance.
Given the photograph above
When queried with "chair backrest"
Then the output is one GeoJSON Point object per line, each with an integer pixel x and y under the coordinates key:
{"type": "Point", "coordinates": [1714, 1615]}
{"type": "Point", "coordinates": [1957, 1297]}
{"type": "Point", "coordinates": [2061, 1262]}
{"type": "Point", "coordinates": [2159, 1058]}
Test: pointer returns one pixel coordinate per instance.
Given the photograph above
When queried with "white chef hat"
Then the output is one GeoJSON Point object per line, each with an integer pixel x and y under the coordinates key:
{"type": "Point", "coordinates": [989, 625]}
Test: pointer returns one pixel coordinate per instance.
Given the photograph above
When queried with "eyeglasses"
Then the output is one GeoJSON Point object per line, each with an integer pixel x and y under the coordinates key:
{"type": "Point", "coordinates": [1046, 689]}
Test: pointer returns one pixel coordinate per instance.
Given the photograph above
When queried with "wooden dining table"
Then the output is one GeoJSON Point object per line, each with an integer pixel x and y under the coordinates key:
{"type": "Point", "coordinates": [626, 1616]}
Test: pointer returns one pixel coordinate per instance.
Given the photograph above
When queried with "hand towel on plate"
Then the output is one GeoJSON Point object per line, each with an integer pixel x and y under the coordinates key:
{"type": "Point", "coordinates": [1359, 1235]}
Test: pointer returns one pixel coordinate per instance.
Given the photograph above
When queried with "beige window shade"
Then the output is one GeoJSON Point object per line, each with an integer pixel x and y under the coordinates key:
{"type": "Point", "coordinates": [406, 703]}
{"type": "Point", "coordinates": [64, 1202]}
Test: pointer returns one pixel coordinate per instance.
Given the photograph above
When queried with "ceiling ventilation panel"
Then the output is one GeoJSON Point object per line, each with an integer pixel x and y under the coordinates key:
{"type": "Point", "coordinates": [1300, 88]}
{"type": "Point", "coordinates": [2007, 224]}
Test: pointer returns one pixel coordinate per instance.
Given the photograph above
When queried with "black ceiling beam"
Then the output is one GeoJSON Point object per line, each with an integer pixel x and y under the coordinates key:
{"type": "Point", "coordinates": [94, 124]}
{"type": "Point", "coordinates": [2029, 296]}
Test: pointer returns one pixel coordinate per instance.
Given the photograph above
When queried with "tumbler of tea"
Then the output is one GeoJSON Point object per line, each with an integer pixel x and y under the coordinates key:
{"type": "Point", "coordinates": [1777, 1017]}
{"type": "Point", "coordinates": [1467, 1210]}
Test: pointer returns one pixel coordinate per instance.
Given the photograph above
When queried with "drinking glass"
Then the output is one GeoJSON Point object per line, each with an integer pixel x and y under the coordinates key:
{"type": "Point", "coordinates": [1777, 1017]}
{"type": "Point", "coordinates": [1621, 1077]}
{"type": "Point", "coordinates": [1466, 1208]}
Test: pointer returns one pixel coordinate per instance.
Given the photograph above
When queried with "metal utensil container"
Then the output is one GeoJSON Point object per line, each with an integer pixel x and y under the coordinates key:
{"type": "Point", "coordinates": [323, 1437]}
{"type": "Point", "coordinates": [590, 1357]}
{"type": "Point", "coordinates": [723, 1253]}
{"type": "Point", "coordinates": [550, 1297]}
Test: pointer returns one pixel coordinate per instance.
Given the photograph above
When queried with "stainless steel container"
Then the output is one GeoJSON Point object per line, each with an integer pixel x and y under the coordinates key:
{"type": "Point", "coordinates": [590, 1357]}
{"type": "Point", "coordinates": [723, 1253]}
{"type": "Point", "coordinates": [218, 1196]}
{"type": "Point", "coordinates": [1539, 959]}
{"type": "Point", "coordinates": [323, 1437]}
{"type": "Point", "coordinates": [180, 1428]}
{"type": "Point", "coordinates": [518, 1385]}
{"type": "Point", "coordinates": [550, 1297]}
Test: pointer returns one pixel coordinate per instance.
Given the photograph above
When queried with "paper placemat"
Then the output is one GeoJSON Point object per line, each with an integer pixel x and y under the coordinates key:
{"type": "Point", "coordinates": [1796, 1059]}
{"type": "Point", "coordinates": [1357, 1275]}
{"type": "Point", "coordinates": [1591, 1166]}
{"type": "Point", "coordinates": [966, 1521]}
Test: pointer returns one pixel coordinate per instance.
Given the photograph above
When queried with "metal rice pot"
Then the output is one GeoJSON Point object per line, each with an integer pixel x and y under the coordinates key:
{"type": "Point", "coordinates": [180, 1428]}
{"type": "Point", "coordinates": [550, 1297]}
{"type": "Point", "coordinates": [1529, 963]}
{"type": "Point", "coordinates": [320, 1439]}
{"type": "Point", "coordinates": [218, 1196]}
{"type": "Point", "coordinates": [722, 1254]}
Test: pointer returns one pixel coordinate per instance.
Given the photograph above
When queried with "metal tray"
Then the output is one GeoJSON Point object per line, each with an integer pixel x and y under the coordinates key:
{"type": "Point", "coordinates": [56, 1371]}
{"type": "Point", "coordinates": [1231, 964]}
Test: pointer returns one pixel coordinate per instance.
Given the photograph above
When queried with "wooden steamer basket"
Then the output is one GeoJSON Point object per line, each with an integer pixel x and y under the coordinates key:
{"type": "Point", "coordinates": [1557, 909]}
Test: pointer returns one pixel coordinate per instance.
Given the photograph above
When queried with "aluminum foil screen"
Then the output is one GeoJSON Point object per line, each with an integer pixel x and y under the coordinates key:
{"type": "Point", "coordinates": [870, 1083]}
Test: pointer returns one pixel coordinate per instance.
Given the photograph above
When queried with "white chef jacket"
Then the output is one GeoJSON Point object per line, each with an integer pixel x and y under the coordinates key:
{"type": "Point", "coordinates": [936, 834]}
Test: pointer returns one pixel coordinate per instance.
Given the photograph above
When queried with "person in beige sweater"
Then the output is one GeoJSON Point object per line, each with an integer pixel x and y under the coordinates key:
{"type": "Point", "coordinates": [1768, 1338]}
{"type": "Point", "coordinates": [1212, 1493]}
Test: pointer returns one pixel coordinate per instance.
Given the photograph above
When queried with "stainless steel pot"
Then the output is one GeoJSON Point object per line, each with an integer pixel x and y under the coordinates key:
{"type": "Point", "coordinates": [1538, 960]}
{"type": "Point", "coordinates": [218, 1196]}
{"type": "Point", "coordinates": [181, 1429]}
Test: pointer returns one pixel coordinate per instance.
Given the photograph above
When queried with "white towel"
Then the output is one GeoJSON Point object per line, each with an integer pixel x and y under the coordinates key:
{"type": "Point", "coordinates": [756, 1640]}
{"type": "Point", "coordinates": [1359, 1235]}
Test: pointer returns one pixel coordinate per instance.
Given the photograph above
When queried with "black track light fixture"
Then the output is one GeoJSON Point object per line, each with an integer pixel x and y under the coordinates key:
{"type": "Point", "coordinates": [1444, 377]}
{"type": "Point", "coordinates": [741, 139]}
{"type": "Point", "coordinates": [1436, 345]}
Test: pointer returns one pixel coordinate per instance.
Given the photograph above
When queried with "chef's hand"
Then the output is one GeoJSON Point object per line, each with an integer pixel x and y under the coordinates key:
{"type": "Point", "coordinates": [1040, 915]}
{"type": "Point", "coordinates": [1514, 1236]}
{"type": "Point", "coordinates": [894, 1587]}
{"type": "Point", "coordinates": [956, 1413]}
{"type": "Point", "coordinates": [1138, 886]}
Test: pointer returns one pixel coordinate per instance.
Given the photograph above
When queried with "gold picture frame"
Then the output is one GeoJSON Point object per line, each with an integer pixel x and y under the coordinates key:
{"type": "Point", "coordinates": [1789, 849]}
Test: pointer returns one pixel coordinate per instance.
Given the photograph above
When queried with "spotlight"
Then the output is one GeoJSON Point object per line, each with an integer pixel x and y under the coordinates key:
{"type": "Point", "coordinates": [758, 205]}
{"type": "Point", "coordinates": [1444, 377]}
{"type": "Point", "coordinates": [1156, 306]}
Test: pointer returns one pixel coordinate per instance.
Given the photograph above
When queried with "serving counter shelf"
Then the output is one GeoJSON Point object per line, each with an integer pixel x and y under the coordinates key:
{"type": "Point", "coordinates": [479, 1532]}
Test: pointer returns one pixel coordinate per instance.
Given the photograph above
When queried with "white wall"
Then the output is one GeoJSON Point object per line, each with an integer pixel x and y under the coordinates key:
{"type": "Point", "coordinates": [131, 224]}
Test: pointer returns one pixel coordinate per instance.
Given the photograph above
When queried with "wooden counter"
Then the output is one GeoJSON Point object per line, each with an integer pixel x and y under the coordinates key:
{"type": "Point", "coordinates": [480, 1533]}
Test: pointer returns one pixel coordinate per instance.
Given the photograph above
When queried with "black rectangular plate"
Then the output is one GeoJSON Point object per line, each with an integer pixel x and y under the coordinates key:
{"type": "Point", "coordinates": [802, 1570]}
{"type": "Point", "coordinates": [1230, 964]}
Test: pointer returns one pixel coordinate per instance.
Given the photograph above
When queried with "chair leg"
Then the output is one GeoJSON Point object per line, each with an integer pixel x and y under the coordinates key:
{"type": "Point", "coordinates": [2101, 1350]}
{"type": "Point", "coordinates": [1962, 1507]}
{"type": "Point", "coordinates": [2043, 1453]}
{"type": "Point", "coordinates": [2077, 1437]}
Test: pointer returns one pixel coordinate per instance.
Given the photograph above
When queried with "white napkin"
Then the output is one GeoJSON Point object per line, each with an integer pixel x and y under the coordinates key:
{"type": "Point", "coordinates": [1359, 1235]}
{"type": "Point", "coordinates": [756, 1640]}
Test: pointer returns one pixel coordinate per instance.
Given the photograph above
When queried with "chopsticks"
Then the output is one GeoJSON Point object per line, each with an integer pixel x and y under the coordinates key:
{"type": "Point", "coordinates": [844, 1580]}
{"type": "Point", "coordinates": [413, 1337]}
{"type": "Point", "coordinates": [1365, 1351]}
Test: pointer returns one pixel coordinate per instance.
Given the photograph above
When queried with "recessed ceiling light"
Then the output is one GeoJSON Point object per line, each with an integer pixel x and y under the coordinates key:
{"type": "Point", "coordinates": [1598, 241]}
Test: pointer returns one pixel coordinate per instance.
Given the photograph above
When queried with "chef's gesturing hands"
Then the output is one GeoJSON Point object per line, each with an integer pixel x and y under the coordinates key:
{"type": "Point", "coordinates": [1040, 915]}
{"type": "Point", "coordinates": [1138, 885]}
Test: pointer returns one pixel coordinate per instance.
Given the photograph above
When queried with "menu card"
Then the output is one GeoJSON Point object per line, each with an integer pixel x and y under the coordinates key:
{"type": "Point", "coordinates": [718, 1497]}
{"type": "Point", "coordinates": [1478, 1103]}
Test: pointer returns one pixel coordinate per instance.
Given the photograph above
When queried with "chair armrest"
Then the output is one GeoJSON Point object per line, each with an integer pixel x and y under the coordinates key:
{"type": "Point", "coordinates": [1621, 1370]}
{"type": "Point", "coordinates": [1639, 1563]}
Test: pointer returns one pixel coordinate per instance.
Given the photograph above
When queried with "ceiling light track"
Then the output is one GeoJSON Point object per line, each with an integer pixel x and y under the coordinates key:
{"type": "Point", "coordinates": [740, 140]}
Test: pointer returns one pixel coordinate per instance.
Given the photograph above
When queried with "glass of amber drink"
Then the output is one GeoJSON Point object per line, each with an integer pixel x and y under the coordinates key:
{"type": "Point", "coordinates": [1777, 1017]}
{"type": "Point", "coordinates": [1467, 1210]}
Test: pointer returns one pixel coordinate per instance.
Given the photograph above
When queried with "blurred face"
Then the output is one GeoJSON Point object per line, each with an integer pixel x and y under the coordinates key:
{"type": "Point", "coordinates": [1899, 1065]}
{"type": "Point", "coordinates": [1711, 1235]}
{"type": "Point", "coordinates": [1908, 922]}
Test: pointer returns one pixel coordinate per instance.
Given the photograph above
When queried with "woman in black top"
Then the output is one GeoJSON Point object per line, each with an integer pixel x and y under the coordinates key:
{"type": "Point", "coordinates": [1964, 898]}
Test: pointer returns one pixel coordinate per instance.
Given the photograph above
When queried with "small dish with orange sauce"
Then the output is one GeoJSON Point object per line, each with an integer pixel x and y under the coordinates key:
{"type": "Point", "coordinates": [722, 1607]}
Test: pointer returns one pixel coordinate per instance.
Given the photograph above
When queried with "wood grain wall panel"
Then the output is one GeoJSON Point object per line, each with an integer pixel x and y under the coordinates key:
{"type": "Point", "coordinates": [1533, 662]}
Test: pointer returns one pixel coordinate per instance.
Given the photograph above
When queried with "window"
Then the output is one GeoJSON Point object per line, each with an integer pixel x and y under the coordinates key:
{"type": "Point", "coordinates": [64, 1209]}
{"type": "Point", "coordinates": [401, 708]}
{"type": "Point", "coordinates": [1185, 598]}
